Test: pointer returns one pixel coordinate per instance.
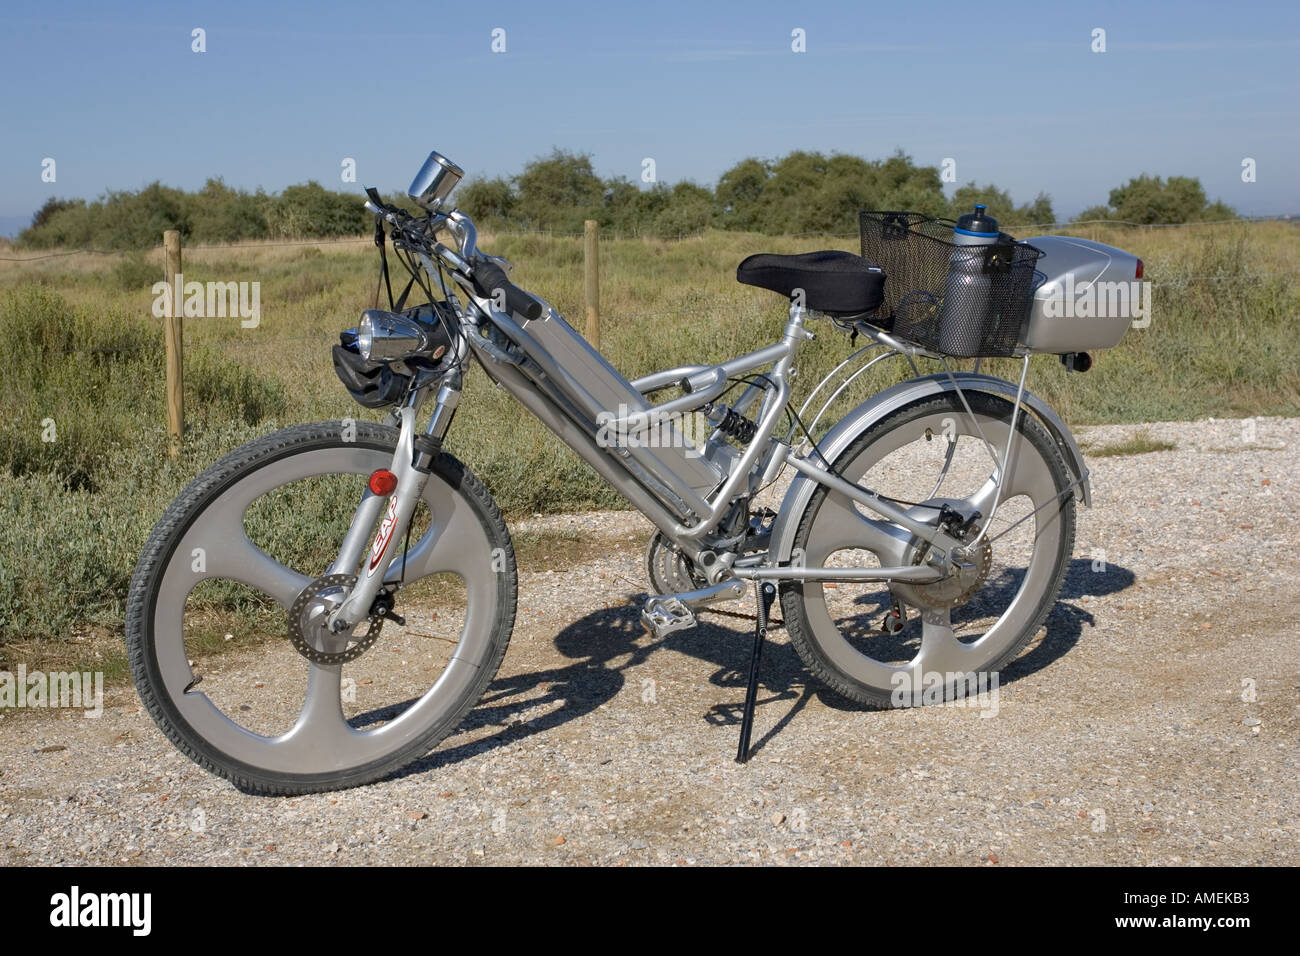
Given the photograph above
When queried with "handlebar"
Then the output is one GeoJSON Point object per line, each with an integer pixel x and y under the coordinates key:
{"type": "Point", "coordinates": [484, 274]}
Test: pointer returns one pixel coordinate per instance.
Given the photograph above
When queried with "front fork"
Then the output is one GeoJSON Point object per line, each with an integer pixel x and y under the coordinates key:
{"type": "Point", "coordinates": [412, 464]}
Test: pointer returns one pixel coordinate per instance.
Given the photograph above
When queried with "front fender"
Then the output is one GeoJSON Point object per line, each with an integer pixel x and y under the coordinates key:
{"type": "Point", "coordinates": [877, 407]}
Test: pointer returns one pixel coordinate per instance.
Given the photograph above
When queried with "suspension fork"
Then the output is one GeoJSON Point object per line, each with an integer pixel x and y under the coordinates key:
{"type": "Point", "coordinates": [412, 464]}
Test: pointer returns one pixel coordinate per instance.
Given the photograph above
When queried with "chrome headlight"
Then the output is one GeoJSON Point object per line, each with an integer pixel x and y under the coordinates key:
{"type": "Point", "coordinates": [384, 336]}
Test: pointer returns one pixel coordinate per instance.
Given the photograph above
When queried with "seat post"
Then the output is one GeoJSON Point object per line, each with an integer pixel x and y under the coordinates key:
{"type": "Point", "coordinates": [793, 335]}
{"type": "Point", "coordinates": [794, 324]}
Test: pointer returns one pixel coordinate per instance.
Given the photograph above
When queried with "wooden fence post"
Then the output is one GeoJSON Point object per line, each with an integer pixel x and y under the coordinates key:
{"type": "Point", "coordinates": [172, 337]}
{"type": "Point", "coordinates": [591, 277]}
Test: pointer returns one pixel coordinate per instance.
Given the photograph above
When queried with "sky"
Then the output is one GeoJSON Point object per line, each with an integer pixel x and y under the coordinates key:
{"type": "Point", "coordinates": [1014, 94]}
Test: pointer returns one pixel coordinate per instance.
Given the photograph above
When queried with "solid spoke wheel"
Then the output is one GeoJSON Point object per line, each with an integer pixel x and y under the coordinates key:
{"type": "Point", "coordinates": [203, 537]}
{"type": "Point", "coordinates": [961, 631]}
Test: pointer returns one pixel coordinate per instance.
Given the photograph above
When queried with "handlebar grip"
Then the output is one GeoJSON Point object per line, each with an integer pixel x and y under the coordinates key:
{"type": "Point", "coordinates": [488, 277]}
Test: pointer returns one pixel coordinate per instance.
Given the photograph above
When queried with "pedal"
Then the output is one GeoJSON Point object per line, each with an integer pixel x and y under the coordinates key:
{"type": "Point", "coordinates": [895, 617]}
{"type": "Point", "coordinates": [662, 616]}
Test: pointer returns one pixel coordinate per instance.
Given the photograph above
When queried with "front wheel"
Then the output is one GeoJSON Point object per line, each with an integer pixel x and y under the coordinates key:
{"type": "Point", "coordinates": [245, 551]}
{"type": "Point", "coordinates": [955, 635]}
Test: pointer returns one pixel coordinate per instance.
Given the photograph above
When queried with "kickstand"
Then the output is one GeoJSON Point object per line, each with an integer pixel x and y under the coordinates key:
{"type": "Point", "coordinates": [766, 593]}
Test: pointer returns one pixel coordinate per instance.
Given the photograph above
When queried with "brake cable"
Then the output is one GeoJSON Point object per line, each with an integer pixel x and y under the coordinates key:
{"type": "Point", "coordinates": [381, 240]}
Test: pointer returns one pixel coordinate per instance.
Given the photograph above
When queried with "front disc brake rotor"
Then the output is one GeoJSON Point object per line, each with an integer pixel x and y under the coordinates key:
{"type": "Point", "coordinates": [309, 622]}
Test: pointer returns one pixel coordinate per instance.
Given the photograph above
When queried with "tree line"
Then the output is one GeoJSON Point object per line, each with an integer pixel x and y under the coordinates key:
{"type": "Point", "coordinates": [802, 192]}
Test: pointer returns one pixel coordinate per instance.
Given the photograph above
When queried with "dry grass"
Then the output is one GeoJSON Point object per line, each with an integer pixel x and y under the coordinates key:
{"type": "Point", "coordinates": [1140, 444]}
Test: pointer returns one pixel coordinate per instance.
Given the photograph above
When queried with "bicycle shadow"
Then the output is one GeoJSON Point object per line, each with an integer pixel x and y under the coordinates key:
{"type": "Point", "coordinates": [605, 644]}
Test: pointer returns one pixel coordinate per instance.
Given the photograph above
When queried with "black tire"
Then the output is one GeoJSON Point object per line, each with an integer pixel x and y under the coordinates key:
{"type": "Point", "coordinates": [802, 634]}
{"type": "Point", "coordinates": [185, 510]}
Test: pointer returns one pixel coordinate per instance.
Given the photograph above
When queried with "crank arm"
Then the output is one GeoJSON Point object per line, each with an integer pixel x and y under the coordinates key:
{"type": "Point", "coordinates": [722, 591]}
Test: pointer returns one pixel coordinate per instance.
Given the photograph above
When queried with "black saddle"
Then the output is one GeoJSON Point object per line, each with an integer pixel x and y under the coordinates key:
{"type": "Point", "coordinates": [836, 282]}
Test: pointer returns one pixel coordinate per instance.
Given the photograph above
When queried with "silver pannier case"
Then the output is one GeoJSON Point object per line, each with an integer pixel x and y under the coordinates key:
{"type": "Point", "coordinates": [1087, 294]}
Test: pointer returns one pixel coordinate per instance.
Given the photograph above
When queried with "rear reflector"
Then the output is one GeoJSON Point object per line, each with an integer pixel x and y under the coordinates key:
{"type": "Point", "coordinates": [1139, 272]}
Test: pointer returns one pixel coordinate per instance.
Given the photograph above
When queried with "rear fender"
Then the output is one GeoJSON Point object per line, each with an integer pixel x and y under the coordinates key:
{"type": "Point", "coordinates": [877, 407]}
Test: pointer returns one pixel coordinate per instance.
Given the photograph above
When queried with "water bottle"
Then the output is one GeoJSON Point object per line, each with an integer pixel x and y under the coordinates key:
{"type": "Point", "coordinates": [964, 318]}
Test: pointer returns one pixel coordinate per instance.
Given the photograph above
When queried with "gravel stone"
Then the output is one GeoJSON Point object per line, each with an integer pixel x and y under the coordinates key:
{"type": "Point", "coordinates": [603, 746]}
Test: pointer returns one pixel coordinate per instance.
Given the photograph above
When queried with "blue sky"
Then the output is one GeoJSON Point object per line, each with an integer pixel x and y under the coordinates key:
{"type": "Point", "coordinates": [1012, 92]}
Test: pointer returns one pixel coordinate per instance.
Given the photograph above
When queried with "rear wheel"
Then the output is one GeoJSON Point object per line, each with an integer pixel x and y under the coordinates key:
{"type": "Point", "coordinates": [244, 552]}
{"type": "Point", "coordinates": [959, 631]}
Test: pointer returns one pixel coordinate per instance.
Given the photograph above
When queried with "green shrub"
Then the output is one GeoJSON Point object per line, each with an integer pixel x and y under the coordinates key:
{"type": "Point", "coordinates": [222, 391]}
{"type": "Point", "coordinates": [66, 555]}
{"type": "Point", "coordinates": [134, 272]}
{"type": "Point", "coordinates": [84, 470]}
{"type": "Point", "coordinates": [78, 386]}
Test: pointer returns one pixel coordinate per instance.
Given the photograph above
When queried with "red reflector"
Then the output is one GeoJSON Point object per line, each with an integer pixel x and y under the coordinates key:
{"type": "Point", "coordinates": [1139, 273]}
{"type": "Point", "coordinates": [383, 481]}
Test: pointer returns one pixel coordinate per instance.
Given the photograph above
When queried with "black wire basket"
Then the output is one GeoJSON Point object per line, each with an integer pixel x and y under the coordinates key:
{"type": "Point", "coordinates": [959, 300]}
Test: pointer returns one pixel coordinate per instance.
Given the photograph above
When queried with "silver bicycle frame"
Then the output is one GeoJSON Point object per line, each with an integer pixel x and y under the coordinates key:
{"type": "Point", "coordinates": [663, 482]}
{"type": "Point", "coordinates": [685, 490]}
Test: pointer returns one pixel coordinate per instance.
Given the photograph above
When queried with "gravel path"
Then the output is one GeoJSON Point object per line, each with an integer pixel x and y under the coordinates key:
{"type": "Point", "coordinates": [1154, 721]}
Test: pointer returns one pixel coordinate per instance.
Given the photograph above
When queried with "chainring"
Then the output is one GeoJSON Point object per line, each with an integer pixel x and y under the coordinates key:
{"type": "Point", "coordinates": [670, 571]}
{"type": "Point", "coordinates": [308, 615]}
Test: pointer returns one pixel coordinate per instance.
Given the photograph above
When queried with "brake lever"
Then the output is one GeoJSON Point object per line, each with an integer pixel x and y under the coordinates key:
{"type": "Point", "coordinates": [382, 212]}
{"type": "Point", "coordinates": [506, 265]}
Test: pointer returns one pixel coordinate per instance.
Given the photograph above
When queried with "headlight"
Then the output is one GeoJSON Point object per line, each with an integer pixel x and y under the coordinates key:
{"type": "Point", "coordinates": [384, 336]}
